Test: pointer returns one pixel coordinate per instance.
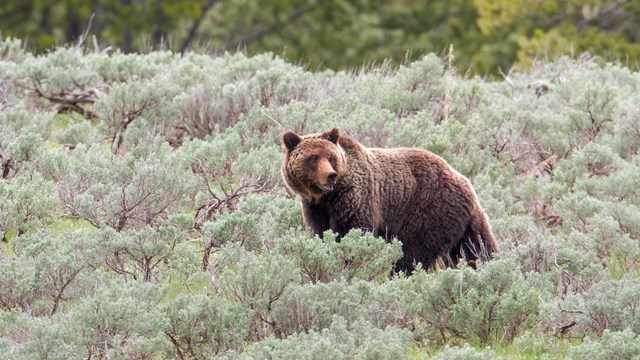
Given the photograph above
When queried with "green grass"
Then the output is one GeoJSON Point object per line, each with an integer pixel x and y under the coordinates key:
{"type": "Point", "coordinates": [65, 223]}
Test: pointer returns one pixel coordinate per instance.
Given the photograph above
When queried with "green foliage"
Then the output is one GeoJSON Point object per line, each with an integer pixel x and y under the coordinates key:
{"type": "Point", "coordinates": [74, 133]}
{"type": "Point", "coordinates": [37, 337]}
{"type": "Point", "coordinates": [494, 304]}
{"type": "Point", "coordinates": [133, 106]}
{"type": "Point", "coordinates": [314, 307]}
{"type": "Point", "coordinates": [466, 352]}
{"type": "Point", "coordinates": [27, 202]}
{"type": "Point", "coordinates": [200, 326]}
{"type": "Point", "coordinates": [143, 214]}
{"type": "Point", "coordinates": [612, 306]}
{"type": "Point", "coordinates": [12, 49]}
{"type": "Point", "coordinates": [255, 224]}
{"type": "Point", "coordinates": [416, 86]}
{"type": "Point", "coordinates": [341, 340]}
{"type": "Point", "coordinates": [138, 253]}
{"type": "Point", "coordinates": [48, 271]}
{"type": "Point", "coordinates": [122, 192]}
{"type": "Point", "coordinates": [355, 256]}
{"type": "Point", "coordinates": [487, 35]}
{"type": "Point", "coordinates": [121, 320]}
{"type": "Point", "coordinates": [614, 344]}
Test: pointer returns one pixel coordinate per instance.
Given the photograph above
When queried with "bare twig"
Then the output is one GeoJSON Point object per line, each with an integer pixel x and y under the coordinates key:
{"type": "Point", "coordinates": [447, 89]}
{"type": "Point", "coordinates": [272, 119]}
{"type": "Point", "coordinates": [84, 34]}
{"type": "Point", "coordinates": [67, 100]}
{"type": "Point", "coordinates": [216, 205]}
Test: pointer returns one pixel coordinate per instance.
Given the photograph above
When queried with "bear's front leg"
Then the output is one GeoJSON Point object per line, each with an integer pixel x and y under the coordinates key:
{"type": "Point", "coordinates": [316, 217]}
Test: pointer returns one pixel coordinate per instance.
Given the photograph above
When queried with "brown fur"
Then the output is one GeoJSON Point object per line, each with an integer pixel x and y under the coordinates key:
{"type": "Point", "coordinates": [407, 193]}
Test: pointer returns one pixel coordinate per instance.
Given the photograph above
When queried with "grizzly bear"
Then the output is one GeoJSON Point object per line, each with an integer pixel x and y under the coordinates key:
{"type": "Point", "coordinates": [406, 193]}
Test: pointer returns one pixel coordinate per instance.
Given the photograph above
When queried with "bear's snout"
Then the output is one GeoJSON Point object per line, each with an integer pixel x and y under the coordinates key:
{"type": "Point", "coordinates": [329, 181]}
{"type": "Point", "coordinates": [331, 177]}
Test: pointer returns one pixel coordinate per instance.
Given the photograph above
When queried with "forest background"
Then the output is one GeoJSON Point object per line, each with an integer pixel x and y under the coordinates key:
{"type": "Point", "coordinates": [488, 36]}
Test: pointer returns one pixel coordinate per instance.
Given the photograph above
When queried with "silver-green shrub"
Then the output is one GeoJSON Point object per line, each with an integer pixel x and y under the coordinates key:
{"type": "Point", "coordinates": [613, 345]}
{"type": "Point", "coordinates": [27, 203]}
{"type": "Point", "coordinates": [143, 214]}
{"type": "Point", "coordinates": [122, 192]}
{"type": "Point", "coordinates": [340, 341]}
{"type": "Point", "coordinates": [200, 326]}
{"type": "Point", "coordinates": [45, 272]}
{"type": "Point", "coordinates": [355, 256]}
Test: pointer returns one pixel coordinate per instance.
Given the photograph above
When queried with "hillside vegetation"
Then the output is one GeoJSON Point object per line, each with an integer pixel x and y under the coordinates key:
{"type": "Point", "coordinates": [142, 213]}
{"type": "Point", "coordinates": [488, 35]}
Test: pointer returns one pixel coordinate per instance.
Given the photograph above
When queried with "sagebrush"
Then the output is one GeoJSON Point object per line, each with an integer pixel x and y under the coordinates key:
{"type": "Point", "coordinates": [142, 214]}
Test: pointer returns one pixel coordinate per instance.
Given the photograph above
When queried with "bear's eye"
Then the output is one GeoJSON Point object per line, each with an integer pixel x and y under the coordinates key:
{"type": "Point", "coordinates": [332, 160]}
{"type": "Point", "coordinates": [311, 160]}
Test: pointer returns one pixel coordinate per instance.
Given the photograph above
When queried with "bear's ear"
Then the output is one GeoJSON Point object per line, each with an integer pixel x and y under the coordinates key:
{"type": "Point", "coordinates": [332, 135]}
{"type": "Point", "coordinates": [291, 139]}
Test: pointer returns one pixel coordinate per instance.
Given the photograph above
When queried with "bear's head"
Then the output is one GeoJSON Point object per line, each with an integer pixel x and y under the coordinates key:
{"type": "Point", "coordinates": [313, 164]}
